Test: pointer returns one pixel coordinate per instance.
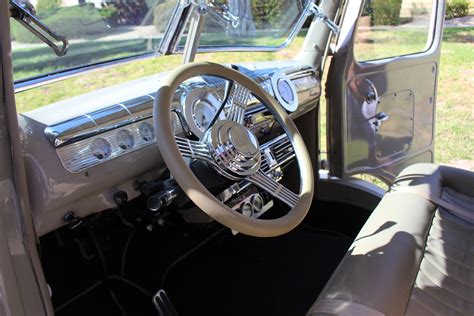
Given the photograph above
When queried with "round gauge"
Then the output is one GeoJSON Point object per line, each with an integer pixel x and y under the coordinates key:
{"type": "Point", "coordinates": [100, 148]}
{"type": "Point", "coordinates": [125, 139]}
{"type": "Point", "coordinates": [203, 113]}
{"type": "Point", "coordinates": [199, 107]}
{"type": "Point", "coordinates": [257, 202]}
{"type": "Point", "coordinates": [285, 91]}
{"type": "Point", "coordinates": [247, 209]}
{"type": "Point", "coordinates": [147, 133]}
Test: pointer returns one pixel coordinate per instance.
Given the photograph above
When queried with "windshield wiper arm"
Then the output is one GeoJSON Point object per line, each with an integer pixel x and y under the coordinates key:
{"type": "Point", "coordinates": [24, 14]}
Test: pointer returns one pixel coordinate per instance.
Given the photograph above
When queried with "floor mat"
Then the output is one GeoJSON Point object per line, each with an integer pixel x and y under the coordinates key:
{"type": "Point", "coordinates": [256, 276]}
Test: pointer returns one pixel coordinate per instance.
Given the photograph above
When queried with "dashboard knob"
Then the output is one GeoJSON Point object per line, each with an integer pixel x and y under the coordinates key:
{"type": "Point", "coordinates": [257, 202]}
{"type": "Point", "coordinates": [247, 209]}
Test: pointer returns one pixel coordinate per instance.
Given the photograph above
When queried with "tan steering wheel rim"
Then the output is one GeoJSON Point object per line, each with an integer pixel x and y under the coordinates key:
{"type": "Point", "coordinates": [189, 183]}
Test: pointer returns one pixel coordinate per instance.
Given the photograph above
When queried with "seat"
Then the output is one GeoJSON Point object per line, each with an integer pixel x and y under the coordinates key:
{"type": "Point", "coordinates": [412, 257]}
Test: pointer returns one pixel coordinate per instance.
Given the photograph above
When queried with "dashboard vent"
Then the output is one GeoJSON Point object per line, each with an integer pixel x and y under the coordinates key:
{"type": "Point", "coordinates": [277, 152]}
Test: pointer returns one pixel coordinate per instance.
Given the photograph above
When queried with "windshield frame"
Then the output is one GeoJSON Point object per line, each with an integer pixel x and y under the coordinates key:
{"type": "Point", "coordinates": [293, 32]}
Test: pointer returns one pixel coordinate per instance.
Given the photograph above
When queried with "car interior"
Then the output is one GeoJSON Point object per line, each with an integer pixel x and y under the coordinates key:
{"type": "Point", "coordinates": [204, 189]}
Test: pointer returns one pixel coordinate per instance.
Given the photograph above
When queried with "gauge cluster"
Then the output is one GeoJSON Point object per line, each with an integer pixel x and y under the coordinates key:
{"type": "Point", "coordinates": [93, 151]}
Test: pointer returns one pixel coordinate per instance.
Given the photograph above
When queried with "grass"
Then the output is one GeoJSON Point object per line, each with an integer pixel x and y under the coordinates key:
{"type": "Point", "coordinates": [81, 53]}
{"type": "Point", "coordinates": [38, 97]}
{"type": "Point", "coordinates": [455, 110]}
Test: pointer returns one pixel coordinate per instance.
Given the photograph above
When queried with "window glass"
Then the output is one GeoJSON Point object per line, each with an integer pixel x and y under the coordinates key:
{"type": "Point", "coordinates": [97, 31]}
{"type": "Point", "coordinates": [263, 23]}
{"type": "Point", "coordinates": [389, 28]}
{"type": "Point", "coordinates": [58, 91]}
{"type": "Point", "coordinates": [287, 53]}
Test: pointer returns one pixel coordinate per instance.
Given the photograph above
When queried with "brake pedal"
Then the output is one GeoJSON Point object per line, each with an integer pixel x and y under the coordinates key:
{"type": "Point", "coordinates": [163, 304]}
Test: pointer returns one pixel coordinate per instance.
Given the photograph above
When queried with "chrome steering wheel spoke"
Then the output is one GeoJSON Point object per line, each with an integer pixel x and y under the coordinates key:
{"type": "Point", "coordinates": [238, 99]}
{"type": "Point", "coordinates": [277, 190]}
{"type": "Point", "coordinates": [193, 149]}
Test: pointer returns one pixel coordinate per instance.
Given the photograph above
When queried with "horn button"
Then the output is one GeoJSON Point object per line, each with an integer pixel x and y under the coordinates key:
{"type": "Point", "coordinates": [234, 148]}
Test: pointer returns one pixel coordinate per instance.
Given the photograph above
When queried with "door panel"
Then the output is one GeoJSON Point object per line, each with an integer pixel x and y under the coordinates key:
{"type": "Point", "coordinates": [381, 113]}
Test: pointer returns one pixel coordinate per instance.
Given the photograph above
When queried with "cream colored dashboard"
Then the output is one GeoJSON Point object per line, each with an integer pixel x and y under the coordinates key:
{"type": "Point", "coordinates": [79, 163]}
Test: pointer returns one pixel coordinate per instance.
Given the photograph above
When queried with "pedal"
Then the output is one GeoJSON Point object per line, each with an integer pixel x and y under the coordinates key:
{"type": "Point", "coordinates": [163, 304]}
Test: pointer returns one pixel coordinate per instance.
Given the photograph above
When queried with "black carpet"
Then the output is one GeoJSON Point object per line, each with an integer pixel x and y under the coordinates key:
{"type": "Point", "coordinates": [253, 276]}
{"type": "Point", "coordinates": [88, 270]}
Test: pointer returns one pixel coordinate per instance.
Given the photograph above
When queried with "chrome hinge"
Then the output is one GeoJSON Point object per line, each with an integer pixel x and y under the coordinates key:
{"type": "Point", "coordinates": [220, 12]}
{"type": "Point", "coordinates": [320, 16]}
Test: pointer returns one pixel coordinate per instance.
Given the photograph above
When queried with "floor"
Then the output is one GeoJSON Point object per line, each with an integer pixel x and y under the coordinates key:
{"type": "Point", "coordinates": [109, 269]}
{"type": "Point", "coordinates": [253, 276]}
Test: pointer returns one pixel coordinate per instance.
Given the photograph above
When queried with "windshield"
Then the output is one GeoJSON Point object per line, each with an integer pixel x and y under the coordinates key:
{"type": "Point", "coordinates": [261, 24]}
{"type": "Point", "coordinates": [97, 31]}
{"type": "Point", "coordinates": [104, 30]}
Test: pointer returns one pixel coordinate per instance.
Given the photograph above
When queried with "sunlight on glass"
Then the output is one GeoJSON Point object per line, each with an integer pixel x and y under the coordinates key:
{"type": "Point", "coordinates": [390, 28]}
{"type": "Point", "coordinates": [97, 31]}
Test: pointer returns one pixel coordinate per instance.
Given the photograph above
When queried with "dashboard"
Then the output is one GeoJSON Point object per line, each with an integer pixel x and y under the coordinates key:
{"type": "Point", "coordinates": [78, 163]}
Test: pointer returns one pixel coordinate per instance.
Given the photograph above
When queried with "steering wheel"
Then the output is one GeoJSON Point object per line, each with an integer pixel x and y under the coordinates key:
{"type": "Point", "coordinates": [232, 150]}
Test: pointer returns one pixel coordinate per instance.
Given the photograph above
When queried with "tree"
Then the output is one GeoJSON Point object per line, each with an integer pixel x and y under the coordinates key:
{"type": "Point", "coordinates": [47, 5]}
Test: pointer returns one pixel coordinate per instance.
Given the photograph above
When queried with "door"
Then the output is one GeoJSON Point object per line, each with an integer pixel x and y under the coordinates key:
{"type": "Point", "coordinates": [382, 87]}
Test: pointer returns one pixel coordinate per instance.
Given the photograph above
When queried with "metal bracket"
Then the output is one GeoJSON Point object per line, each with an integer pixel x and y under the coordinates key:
{"type": "Point", "coordinates": [320, 16]}
{"type": "Point", "coordinates": [220, 12]}
{"type": "Point", "coordinates": [24, 13]}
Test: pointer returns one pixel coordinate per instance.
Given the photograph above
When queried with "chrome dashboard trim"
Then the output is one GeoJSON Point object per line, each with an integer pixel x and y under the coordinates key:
{"type": "Point", "coordinates": [78, 156]}
{"type": "Point", "coordinates": [126, 113]}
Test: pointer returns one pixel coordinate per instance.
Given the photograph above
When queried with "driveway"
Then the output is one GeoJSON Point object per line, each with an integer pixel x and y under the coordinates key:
{"type": "Point", "coordinates": [466, 21]}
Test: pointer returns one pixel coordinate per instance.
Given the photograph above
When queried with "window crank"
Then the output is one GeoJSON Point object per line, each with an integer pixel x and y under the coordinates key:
{"type": "Point", "coordinates": [379, 118]}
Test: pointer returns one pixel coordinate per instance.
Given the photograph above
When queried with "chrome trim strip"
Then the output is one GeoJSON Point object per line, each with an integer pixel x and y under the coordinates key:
{"type": "Point", "coordinates": [124, 107]}
{"type": "Point", "coordinates": [140, 108]}
{"type": "Point", "coordinates": [262, 180]}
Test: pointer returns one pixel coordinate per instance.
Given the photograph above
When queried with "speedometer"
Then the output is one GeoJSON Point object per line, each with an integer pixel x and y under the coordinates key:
{"type": "Point", "coordinates": [203, 113]}
{"type": "Point", "coordinates": [200, 105]}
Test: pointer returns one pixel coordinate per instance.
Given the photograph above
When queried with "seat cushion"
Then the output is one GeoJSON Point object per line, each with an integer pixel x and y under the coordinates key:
{"type": "Point", "coordinates": [411, 257]}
